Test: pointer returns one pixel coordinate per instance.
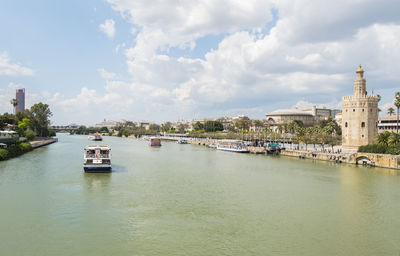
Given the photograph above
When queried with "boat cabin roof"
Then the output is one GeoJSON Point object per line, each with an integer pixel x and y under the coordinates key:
{"type": "Point", "coordinates": [8, 132]}
{"type": "Point", "coordinates": [101, 147]}
{"type": "Point", "coordinates": [229, 141]}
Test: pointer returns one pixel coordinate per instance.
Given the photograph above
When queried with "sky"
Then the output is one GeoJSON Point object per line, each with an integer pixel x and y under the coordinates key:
{"type": "Point", "coordinates": [165, 60]}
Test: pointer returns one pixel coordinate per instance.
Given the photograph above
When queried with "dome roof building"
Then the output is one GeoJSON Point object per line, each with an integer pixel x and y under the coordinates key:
{"type": "Point", "coordinates": [285, 116]}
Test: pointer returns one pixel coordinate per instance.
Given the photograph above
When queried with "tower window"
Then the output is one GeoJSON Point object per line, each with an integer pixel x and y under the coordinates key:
{"type": "Point", "coordinates": [354, 110]}
{"type": "Point", "coordinates": [362, 125]}
{"type": "Point", "coordinates": [345, 124]}
{"type": "Point", "coordinates": [362, 110]}
{"type": "Point", "coordinates": [362, 135]}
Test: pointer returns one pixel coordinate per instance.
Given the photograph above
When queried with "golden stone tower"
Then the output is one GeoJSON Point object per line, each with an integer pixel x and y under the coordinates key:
{"type": "Point", "coordinates": [359, 115]}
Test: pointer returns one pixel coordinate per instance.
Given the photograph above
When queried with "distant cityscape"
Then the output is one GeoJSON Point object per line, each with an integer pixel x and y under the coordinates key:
{"type": "Point", "coordinates": [275, 121]}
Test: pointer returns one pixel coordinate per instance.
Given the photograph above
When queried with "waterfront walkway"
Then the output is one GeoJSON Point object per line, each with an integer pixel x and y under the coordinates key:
{"type": "Point", "coordinates": [40, 142]}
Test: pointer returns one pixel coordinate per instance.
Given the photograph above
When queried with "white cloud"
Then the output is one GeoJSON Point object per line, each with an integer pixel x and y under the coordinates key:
{"type": "Point", "coordinates": [108, 28]}
{"type": "Point", "coordinates": [310, 54]}
{"type": "Point", "coordinates": [164, 24]}
{"type": "Point", "coordinates": [12, 69]}
{"type": "Point", "coordinates": [105, 74]}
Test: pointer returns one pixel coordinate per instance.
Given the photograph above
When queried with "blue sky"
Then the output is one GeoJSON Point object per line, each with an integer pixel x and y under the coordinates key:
{"type": "Point", "coordinates": [62, 42]}
{"type": "Point", "coordinates": [165, 60]}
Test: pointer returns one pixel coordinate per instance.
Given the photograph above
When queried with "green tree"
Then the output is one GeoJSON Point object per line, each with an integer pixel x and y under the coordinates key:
{"type": "Point", "coordinates": [166, 127]}
{"type": "Point", "coordinates": [390, 111]}
{"type": "Point", "coordinates": [22, 114]}
{"type": "Point", "coordinates": [383, 138]}
{"type": "Point", "coordinates": [198, 126]}
{"type": "Point", "coordinates": [5, 119]}
{"type": "Point", "coordinates": [40, 119]}
{"type": "Point", "coordinates": [23, 126]}
{"type": "Point", "coordinates": [332, 124]}
{"type": "Point", "coordinates": [242, 124]}
{"type": "Point", "coordinates": [30, 135]}
{"type": "Point", "coordinates": [181, 127]}
{"type": "Point", "coordinates": [394, 139]}
{"type": "Point", "coordinates": [258, 123]}
{"type": "Point", "coordinates": [397, 104]}
{"type": "Point", "coordinates": [154, 127]}
{"type": "Point", "coordinates": [213, 126]}
{"type": "Point", "coordinates": [104, 129]}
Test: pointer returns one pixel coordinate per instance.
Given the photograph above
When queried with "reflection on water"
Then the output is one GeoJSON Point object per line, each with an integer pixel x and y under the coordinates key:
{"type": "Point", "coordinates": [97, 180]}
{"type": "Point", "coordinates": [191, 200]}
{"type": "Point", "coordinates": [119, 168]}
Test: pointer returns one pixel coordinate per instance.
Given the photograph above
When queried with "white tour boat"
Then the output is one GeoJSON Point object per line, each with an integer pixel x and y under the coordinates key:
{"type": "Point", "coordinates": [97, 158]}
{"type": "Point", "coordinates": [95, 137]}
{"type": "Point", "coordinates": [232, 146]}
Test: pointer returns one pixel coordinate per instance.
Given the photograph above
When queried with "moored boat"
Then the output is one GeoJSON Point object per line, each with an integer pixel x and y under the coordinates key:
{"type": "Point", "coordinates": [154, 142]}
{"type": "Point", "coordinates": [232, 146]}
{"type": "Point", "coordinates": [95, 137]}
{"type": "Point", "coordinates": [97, 158]}
{"type": "Point", "coordinates": [182, 142]}
{"type": "Point", "coordinates": [273, 148]}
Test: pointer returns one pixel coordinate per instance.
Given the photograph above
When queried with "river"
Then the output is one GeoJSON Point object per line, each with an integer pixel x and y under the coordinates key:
{"type": "Point", "coordinates": [191, 200]}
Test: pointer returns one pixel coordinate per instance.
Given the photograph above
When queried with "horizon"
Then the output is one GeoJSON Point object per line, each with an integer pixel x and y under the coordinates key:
{"type": "Point", "coordinates": [117, 60]}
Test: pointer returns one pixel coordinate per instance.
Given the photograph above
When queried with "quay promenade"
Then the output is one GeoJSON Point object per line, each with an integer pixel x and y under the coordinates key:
{"type": "Point", "coordinates": [336, 155]}
{"type": "Point", "coordinates": [40, 142]}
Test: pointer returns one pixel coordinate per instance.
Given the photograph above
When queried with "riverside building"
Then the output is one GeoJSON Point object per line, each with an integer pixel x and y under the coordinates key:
{"type": "Point", "coordinates": [388, 123]}
{"type": "Point", "coordinates": [359, 115]}
{"type": "Point", "coordinates": [308, 117]}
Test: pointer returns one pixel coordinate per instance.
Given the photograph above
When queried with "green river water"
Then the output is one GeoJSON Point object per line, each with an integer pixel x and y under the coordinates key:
{"type": "Point", "coordinates": [191, 200]}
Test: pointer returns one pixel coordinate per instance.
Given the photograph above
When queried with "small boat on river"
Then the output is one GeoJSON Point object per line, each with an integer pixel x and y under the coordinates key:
{"type": "Point", "coordinates": [97, 158]}
{"type": "Point", "coordinates": [182, 142]}
{"type": "Point", "coordinates": [154, 142]}
{"type": "Point", "coordinates": [232, 146]}
{"type": "Point", "coordinates": [95, 137]}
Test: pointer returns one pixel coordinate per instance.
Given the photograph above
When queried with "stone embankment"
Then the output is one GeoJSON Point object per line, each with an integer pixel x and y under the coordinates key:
{"type": "Point", "coordinates": [333, 157]}
{"type": "Point", "coordinates": [40, 142]}
{"type": "Point", "coordinates": [370, 159]}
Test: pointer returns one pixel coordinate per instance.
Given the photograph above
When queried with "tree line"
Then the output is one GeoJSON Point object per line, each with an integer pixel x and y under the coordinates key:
{"type": "Point", "coordinates": [30, 122]}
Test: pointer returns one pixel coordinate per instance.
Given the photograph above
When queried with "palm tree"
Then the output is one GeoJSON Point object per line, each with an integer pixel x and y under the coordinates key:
{"type": "Point", "coordinates": [394, 139]}
{"type": "Point", "coordinates": [397, 104]}
{"type": "Point", "coordinates": [383, 138]}
{"type": "Point", "coordinates": [14, 102]}
{"type": "Point", "coordinates": [390, 111]}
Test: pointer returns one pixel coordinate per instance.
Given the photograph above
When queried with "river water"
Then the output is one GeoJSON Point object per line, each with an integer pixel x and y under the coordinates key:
{"type": "Point", "coordinates": [191, 200]}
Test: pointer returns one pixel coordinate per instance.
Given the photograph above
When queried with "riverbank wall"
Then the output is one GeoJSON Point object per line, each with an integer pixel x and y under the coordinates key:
{"type": "Point", "coordinates": [369, 159]}
{"type": "Point", "coordinates": [302, 154]}
{"type": "Point", "coordinates": [40, 142]}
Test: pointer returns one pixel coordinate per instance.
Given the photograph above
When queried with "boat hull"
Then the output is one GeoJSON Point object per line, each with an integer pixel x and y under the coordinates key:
{"type": "Point", "coordinates": [234, 150]}
{"type": "Point", "coordinates": [97, 168]}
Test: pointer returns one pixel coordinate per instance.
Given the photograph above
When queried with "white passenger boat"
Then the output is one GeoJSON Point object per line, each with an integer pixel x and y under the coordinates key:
{"type": "Point", "coordinates": [182, 142]}
{"type": "Point", "coordinates": [95, 137]}
{"type": "Point", "coordinates": [232, 146]}
{"type": "Point", "coordinates": [97, 158]}
{"type": "Point", "coordinates": [154, 142]}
